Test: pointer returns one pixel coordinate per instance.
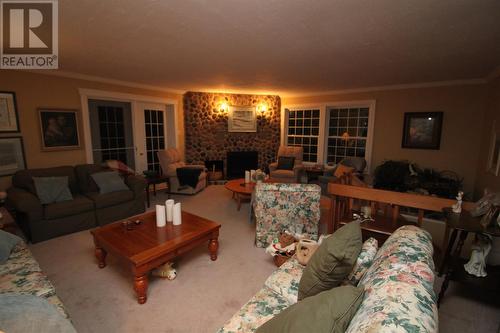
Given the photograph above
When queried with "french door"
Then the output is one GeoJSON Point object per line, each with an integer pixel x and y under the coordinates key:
{"type": "Point", "coordinates": [111, 130]}
{"type": "Point", "coordinates": [150, 128]}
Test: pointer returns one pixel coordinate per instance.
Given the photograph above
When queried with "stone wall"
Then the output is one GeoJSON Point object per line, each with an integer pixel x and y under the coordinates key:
{"type": "Point", "coordinates": [206, 129]}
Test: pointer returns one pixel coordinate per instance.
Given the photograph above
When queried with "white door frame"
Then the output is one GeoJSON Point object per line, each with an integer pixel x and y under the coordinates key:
{"type": "Point", "coordinates": [134, 100]}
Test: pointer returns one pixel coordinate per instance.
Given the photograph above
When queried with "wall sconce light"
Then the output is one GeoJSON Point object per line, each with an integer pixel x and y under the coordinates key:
{"type": "Point", "coordinates": [223, 107]}
{"type": "Point", "coordinates": [262, 108]}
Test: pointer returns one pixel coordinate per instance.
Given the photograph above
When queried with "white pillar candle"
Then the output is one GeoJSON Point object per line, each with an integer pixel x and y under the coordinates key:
{"type": "Point", "coordinates": [247, 177]}
{"type": "Point", "coordinates": [169, 207]}
{"type": "Point", "coordinates": [160, 216]}
{"type": "Point", "coordinates": [252, 175]}
{"type": "Point", "coordinates": [177, 214]}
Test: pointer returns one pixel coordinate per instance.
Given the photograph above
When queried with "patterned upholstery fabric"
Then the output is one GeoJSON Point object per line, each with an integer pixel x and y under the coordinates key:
{"type": "Point", "coordinates": [399, 295]}
{"type": "Point", "coordinates": [260, 308]}
{"type": "Point", "coordinates": [398, 289]}
{"type": "Point", "coordinates": [279, 207]}
{"type": "Point", "coordinates": [21, 274]}
{"type": "Point", "coordinates": [364, 261]}
{"type": "Point", "coordinates": [285, 280]}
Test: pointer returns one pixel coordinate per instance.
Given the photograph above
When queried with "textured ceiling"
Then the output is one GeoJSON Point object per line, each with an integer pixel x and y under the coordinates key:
{"type": "Point", "coordinates": [286, 46]}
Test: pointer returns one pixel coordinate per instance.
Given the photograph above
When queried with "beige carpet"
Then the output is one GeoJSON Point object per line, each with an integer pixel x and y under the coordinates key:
{"type": "Point", "coordinates": [205, 293]}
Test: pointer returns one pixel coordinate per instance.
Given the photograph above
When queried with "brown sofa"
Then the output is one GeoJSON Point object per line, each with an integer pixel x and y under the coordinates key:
{"type": "Point", "coordinates": [88, 208]}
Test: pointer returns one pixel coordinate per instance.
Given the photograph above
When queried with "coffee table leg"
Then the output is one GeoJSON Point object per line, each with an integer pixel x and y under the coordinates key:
{"type": "Point", "coordinates": [141, 288]}
{"type": "Point", "coordinates": [213, 246]}
{"type": "Point", "coordinates": [100, 254]}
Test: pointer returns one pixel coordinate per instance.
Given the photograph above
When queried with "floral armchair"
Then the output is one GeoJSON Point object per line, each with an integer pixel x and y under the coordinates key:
{"type": "Point", "coordinates": [279, 207]}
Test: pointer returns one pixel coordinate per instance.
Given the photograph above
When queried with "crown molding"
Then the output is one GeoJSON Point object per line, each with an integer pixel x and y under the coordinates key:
{"type": "Point", "coordinates": [390, 87]}
{"type": "Point", "coordinates": [236, 91]}
{"type": "Point", "coordinates": [78, 76]}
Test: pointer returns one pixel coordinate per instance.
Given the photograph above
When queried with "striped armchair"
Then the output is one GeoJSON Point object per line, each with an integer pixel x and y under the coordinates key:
{"type": "Point", "coordinates": [279, 207]}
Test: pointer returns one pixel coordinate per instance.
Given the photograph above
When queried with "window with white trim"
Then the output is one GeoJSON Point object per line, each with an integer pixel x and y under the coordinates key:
{"type": "Point", "coordinates": [347, 133]}
{"type": "Point", "coordinates": [303, 131]}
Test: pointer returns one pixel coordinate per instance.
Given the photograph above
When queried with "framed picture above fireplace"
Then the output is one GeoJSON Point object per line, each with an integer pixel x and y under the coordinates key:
{"type": "Point", "coordinates": [242, 119]}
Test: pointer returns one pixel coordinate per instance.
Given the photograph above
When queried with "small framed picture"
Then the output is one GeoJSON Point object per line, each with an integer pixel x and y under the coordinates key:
{"type": "Point", "coordinates": [242, 119]}
{"type": "Point", "coordinates": [59, 129]}
{"type": "Point", "coordinates": [422, 130]}
{"type": "Point", "coordinates": [11, 155]}
{"type": "Point", "coordinates": [9, 120]}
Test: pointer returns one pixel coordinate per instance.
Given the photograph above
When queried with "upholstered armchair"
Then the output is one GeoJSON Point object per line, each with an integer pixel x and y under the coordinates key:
{"type": "Point", "coordinates": [356, 166]}
{"type": "Point", "coordinates": [279, 207]}
{"type": "Point", "coordinates": [288, 176]}
{"type": "Point", "coordinates": [170, 160]}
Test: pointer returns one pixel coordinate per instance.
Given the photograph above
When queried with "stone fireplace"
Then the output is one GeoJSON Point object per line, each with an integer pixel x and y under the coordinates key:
{"type": "Point", "coordinates": [206, 128]}
{"type": "Point", "coordinates": [239, 161]}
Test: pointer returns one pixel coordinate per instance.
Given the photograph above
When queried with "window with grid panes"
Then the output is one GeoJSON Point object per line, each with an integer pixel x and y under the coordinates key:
{"type": "Point", "coordinates": [303, 131]}
{"type": "Point", "coordinates": [155, 137]}
{"type": "Point", "coordinates": [347, 133]}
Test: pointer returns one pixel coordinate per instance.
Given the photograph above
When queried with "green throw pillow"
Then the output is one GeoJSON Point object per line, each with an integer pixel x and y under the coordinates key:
{"type": "Point", "coordinates": [109, 181]}
{"type": "Point", "coordinates": [332, 261]}
{"type": "Point", "coordinates": [329, 311]}
{"type": "Point", "coordinates": [7, 243]}
{"type": "Point", "coordinates": [52, 189]}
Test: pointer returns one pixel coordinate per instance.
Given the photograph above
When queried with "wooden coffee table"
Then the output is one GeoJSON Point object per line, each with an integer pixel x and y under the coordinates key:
{"type": "Point", "coordinates": [241, 190]}
{"type": "Point", "coordinates": [146, 246]}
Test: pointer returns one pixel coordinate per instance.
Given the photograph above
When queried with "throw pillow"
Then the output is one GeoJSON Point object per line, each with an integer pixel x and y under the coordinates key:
{"type": "Point", "coordinates": [52, 189]}
{"type": "Point", "coordinates": [341, 170]}
{"type": "Point", "coordinates": [364, 261]}
{"type": "Point", "coordinates": [7, 242]}
{"type": "Point", "coordinates": [330, 311]}
{"type": "Point", "coordinates": [28, 313]}
{"type": "Point", "coordinates": [109, 181]}
{"type": "Point", "coordinates": [332, 261]}
{"type": "Point", "coordinates": [285, 163]}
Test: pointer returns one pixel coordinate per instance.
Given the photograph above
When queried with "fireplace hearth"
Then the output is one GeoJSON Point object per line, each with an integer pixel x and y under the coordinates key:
{"type": "Point", "coordinates": [239, 161]}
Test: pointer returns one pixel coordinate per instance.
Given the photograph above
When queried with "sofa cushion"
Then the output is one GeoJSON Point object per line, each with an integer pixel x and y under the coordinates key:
{"type": "Point", "coordinates": [109, 181]}
{"type": "Point", "coordinates": [329, 311]}
{"type": "Point", "coordinates": [364, 261]}
{"type": "Point", "coordinates": [52, 189]}
{"type": "Point", "coordinates": [279, 173]}
{"type": "Point", "coordinates": [263, 306]}
{"type": "Point", "coordinates": [342, 170]}
{"type": "Point", "coordinates": [285, 280]}
{"type": "Point", "coordinates": [332, 261]}
{"type": "Point", "coordinates": [26, 313]}
{"type": "Point", "coordinates": [110, 199]}
{"type": "Point", "coordinates": [399, 293]}
{"type": "Point", "coordinates": [85, 181]}
{"type": "Point", "coordinates": [79, 204]}
{"type": "Point", "coordinates": [20, 260]}
{"type": "Point", "coordinates": [24, 178]}
{"type": "Point", "coordinates": [7, 243]}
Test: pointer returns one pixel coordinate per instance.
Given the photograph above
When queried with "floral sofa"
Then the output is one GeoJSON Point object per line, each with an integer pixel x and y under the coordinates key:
{"type": "Point", "coordinates": [399, 295]}
{"type": "Point", "coordinates": [21, 274]}
{"type": "Point", "coordinates": [291, 207]}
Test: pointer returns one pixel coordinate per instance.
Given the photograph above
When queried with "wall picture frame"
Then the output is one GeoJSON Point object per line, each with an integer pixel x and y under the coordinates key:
{"type": "Point", "coordinates": [9, 118]}
{"type": "Point", "coordinates": [242, 119]}
{"type": "Point", "coordinates": [422, 130]}
{"type": "Point", "coordinates": [59, 129]}
{"type": "Point", "coordinates": [493, 166]}
{"type": "Point", "coordinates": [12, 158]}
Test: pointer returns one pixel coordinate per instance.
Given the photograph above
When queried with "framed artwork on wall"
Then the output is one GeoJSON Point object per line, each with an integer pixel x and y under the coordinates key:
{"type": "Point", "coordinates": [242, 119]}
{"type": "Point", "coordinates": [9, 121]}
{"type": "Point", "coordinates": [11, 155]}
{"type": "Point", "coordinates": [494, 155]}
{"type": "Point", "coordinates": [59, 129]}
{"type": "Point", "coordinates": [422, 130]}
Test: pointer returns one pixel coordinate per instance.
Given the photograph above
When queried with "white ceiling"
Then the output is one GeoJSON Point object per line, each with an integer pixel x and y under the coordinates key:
{"type": "Point", "coordinates": [286, 46]}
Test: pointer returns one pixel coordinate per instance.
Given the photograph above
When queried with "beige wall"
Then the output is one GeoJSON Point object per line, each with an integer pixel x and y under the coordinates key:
{"type": "Point", "coordinates": [463, 108]}
{"type": "Point", "coordinates": [37, 90]}
{"type": "Point", "coordinates": [492, 115]}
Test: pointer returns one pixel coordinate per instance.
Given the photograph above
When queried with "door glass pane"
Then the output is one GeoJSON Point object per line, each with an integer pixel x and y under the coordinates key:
{"type": "Point", "coordinates": [155, 137]}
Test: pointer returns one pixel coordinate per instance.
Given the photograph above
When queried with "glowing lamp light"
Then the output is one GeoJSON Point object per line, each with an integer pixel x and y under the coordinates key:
{"type": "Point", "coordinates": [345, 136]}
{"type": "Point", "coordinates": [262, 108]}
{"type": "Point", "coordinates": [223, 107]}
